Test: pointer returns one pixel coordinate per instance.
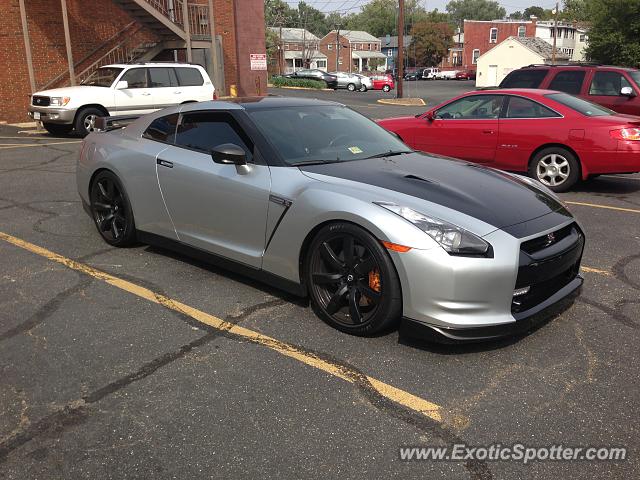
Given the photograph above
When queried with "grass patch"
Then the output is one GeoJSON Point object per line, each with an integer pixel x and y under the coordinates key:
{"type": "Point", "coordinates": [297, 82]}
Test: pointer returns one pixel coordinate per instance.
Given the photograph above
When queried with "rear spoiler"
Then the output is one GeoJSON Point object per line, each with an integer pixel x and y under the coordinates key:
{"type": "Point", "coordinates": [106, 124]}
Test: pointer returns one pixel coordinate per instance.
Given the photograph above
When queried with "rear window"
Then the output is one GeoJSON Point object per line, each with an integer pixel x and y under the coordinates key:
{"type": "Point", "coordinates": [524, 79]}
{"type": "Point", "coordinates": [162, 129]}
{"type": "Point", "coordinates": [581, 106]}
{"type": "Point", "coordinates": [189, 77]}
{"type": "Point", "coordinates": [569, 81]}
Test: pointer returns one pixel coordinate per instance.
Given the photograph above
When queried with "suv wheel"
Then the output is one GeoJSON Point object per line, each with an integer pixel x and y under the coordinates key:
{"type": "Point", "coordinates": [86, 120]}
{"type": "Point", "coordinates": [555, 167]}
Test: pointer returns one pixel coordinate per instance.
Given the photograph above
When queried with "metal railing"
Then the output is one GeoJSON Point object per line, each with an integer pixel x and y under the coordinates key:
{"type": "Point", "coordinates": [198, 15]}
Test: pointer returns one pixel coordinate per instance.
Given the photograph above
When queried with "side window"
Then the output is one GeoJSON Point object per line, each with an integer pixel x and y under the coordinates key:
{"type": "Point", "coordinates": [162, 129]}
{"type": "Point", "coordinates": [136, 77]}
{"type": "Point", "coordinates": [162, 77]}
{"type": "Point", "coordinates": [569, 81]}
{"type": "Point", "coordinates": [493, 35]}
{"type": "Point", "coordinates": [519, 107]}
{"type": "Point", "coordinates": [204, 131]}
{"type": "Point", "coordinates": [524, 79]}
{"type": "Point", "coordinates": [475, 107]}
{"type": "Point", "coordinates": [189, 77]}
{"type": "Point", "coordinates": [475, 55]}
{"type": "Point", "coordinates": [607, 84]}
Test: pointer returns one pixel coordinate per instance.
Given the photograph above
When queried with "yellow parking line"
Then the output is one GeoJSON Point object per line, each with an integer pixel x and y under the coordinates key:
{"type": "Point", "coordinates": [595, 270]}
{"type": "Point", "coordinates": [406, 399]}
{"type": "Point", "coordinates": [27, 145]}
{"type": "Point", "coordinates": [608, 207]}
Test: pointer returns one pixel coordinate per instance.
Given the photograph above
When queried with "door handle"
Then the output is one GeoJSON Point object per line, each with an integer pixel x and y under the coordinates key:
{"type": "Point", "coordinates": [177, 92]}
{"type": "Point", "coordinates": [487, 131]}
{"type": "Point", "coordinates": [164, 163]}
{"type": "Point", "coordinates": [146, 94]}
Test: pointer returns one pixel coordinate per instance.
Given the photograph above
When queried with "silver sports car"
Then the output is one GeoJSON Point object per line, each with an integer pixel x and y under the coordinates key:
{"type": "Point", "coordinates": [316, 199]}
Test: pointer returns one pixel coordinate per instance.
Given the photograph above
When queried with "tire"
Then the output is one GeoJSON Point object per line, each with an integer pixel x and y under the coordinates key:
{"type": "Point", "coordinates": [386, 88]}
{"type": "Point", "coordinates": [351, 87]}
{"type": "Point", "coordinates": [85, 120]}
{"type": "Point", "coordinates": [556, 168]}
{"type": "Point", "coordinates": [358, 294]}
{"type": "Point", "coordinates": [57, 129]}
{"type": "Point", "coordinates": [111, 210]}
{"type": "Point", "coordinates": [362, 89]}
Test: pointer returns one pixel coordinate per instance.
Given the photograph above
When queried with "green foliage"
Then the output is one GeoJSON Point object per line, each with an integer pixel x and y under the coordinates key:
{"type": "Point", "coordinates": [430, 43]}
{"type": "Point", "coordinates": [614, 36]}
{"type": "Point", "coordinates": [461, 10]}
{"type": "Point", "coordinates": [297, 82]}
{"type": "Point", "coordinates": [380, 17]}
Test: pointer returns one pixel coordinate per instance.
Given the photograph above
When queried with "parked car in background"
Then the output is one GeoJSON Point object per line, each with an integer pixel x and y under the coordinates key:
{"type": "Point", "coordinates": [616, 88]}
{"type": "Point", "coordinates": [349, 81]}
{"type": "Point", "coordinates": [125, 89]}
{"type": "Point", "coordinates": [430, 73]}
{"type": "Point", "coordinates": [466, 75]}
{"type": "Point", "coordinates": [383, 82]}
{"type": "Point", "coordinates": [414, 74]}
{"type": "Point", "coordinates": [446, 75]}
{"type": "Point", "coordinates": [555, 137]}
{"type": "Point", "coordinates": [366, 82]}
{"type": "Point", "coordinates": [316, 74]}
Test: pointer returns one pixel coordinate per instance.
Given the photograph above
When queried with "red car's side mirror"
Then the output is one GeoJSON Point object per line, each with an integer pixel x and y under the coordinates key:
{"type": "Point", "coordinates": [429, 117]}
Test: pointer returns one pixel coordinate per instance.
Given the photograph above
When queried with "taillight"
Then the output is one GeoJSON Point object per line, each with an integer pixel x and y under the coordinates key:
{"type": "Point", "coordinates": [215, 95]}
{"type": "Point", "coordinates": [626, 134]}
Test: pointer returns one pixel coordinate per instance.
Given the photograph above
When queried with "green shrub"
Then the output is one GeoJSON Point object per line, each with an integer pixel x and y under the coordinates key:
{"type": "Point", "coordinates": [297, 82]}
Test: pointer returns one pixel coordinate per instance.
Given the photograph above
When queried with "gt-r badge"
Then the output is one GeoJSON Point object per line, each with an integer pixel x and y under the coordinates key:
{"type": "Point", "coordinates": [550, 238]}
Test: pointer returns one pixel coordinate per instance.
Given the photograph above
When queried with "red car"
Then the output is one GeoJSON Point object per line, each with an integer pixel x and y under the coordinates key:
{"type": "Point", "coordinates": [466, 75]}
{"type": "Point", "coordinates": [555, 137]}
{"type": "Point", "coordinates": [383, 82]}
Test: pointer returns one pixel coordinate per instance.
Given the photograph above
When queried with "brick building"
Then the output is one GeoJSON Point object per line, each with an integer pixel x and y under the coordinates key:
{"type": "Point", "coordinates": [454, 59]}
{"type": "Point", "coordinates": [480, 36]}
{"type": "Point", "coordinates": [298, 48]}
{"type": "Point", "coordinates": [35, 52]}
{"type": "Point", "coordinates": [352, 51]}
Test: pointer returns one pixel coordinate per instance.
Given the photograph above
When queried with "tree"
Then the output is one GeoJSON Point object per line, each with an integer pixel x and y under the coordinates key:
{"type": "Point", "coordinates": [278, 13]}
{"type": "Point", "coordinates": [461, 10]}
{"type": "Point", "coordinates": [614, 36]}
{"type": "Point", "coordinates": [430, 43]}
{"type": "Point", "coordinates": [312, 19]}
{"type": "Point", "coordinates": [516, 15]}
{"type": "Point", "coordinates": [575, 10]}
{"type": "Point", "coordinates": [380, 17]}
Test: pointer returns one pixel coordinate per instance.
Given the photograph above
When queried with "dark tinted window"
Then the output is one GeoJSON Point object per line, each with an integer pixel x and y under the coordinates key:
{"type": "Point", "coordinates": [607, 84]}
{"type": "Point", "coordinates": [162, 77]}
{"type": "Point", "coordinates": [136, 77]}
{"type": "Point", "coordinates": [635, 75]}
{"type": "Point", "coordinates": [519, 107]}
{"type": "Point", "coordinates": [206, 130]}
{"type": "Point", "coordinates": [189, 77]}
{"type": "Point", "coordinates": [524, 79]}
{"type": "Point", "coordinates": [474, 107]}
{"type": "Point", "coordinates": [162, 129]}
{"type": "Point", "coordinates": [568, 81]}
{"type": "Point", "coordinates": [582, 106]}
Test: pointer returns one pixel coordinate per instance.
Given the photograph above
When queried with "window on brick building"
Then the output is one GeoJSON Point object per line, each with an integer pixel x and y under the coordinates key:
{"type": "Point", "coordinates": [493, 35]}
{"type": "Point", "coordinates": [522, 31]}
{"type": "Point", "coordinates": [475, 55]}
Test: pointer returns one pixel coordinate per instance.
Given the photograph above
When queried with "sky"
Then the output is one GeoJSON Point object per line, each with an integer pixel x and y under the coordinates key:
{"type": "Point", "coordinates": [351, 6]}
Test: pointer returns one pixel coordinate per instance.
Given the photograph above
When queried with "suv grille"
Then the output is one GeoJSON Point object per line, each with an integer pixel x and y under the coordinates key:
{"type": "Point", "coordinates": [40, 101]}
{"type": "Point", "coordinates": [547, 264]}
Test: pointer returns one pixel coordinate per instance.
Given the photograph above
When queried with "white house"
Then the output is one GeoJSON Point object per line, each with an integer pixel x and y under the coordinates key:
{"type": "Point", "coordinates": [513, 53]}
{"type": "Point", "coordinates": [571, 39]}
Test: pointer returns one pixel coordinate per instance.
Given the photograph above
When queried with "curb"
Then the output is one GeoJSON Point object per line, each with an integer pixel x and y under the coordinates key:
{"type": "Point", "coordinates": [304, 88]}
{"type": "Point", "coordinates": [404, 102]}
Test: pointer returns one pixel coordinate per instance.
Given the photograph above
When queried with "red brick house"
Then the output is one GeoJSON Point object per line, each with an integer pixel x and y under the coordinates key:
{"type": "Point", "coordinates": [480, 36]}
{"type": "Point", "coordinates": [351, 51]}
{"type": "Point", "coordinates": [297, 48]}
{"type": "Point", "coordinates": [47, 43]}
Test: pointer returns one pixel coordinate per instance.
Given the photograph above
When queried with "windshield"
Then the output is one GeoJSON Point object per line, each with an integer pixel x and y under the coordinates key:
{"type": "Point", "coordinates": [324, 134]}
{"type": "Point", "coordinates": [581, 106]}
{"type": "Point", "coordinates": [635, 74]}
{"type": "Point", "coordinates": [102, 77]}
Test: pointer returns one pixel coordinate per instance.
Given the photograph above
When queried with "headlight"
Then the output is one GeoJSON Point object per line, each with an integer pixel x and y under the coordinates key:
{"type": "Point", "coordinates": [59, 101]}
{"type": "Point", "coordinates": [455, 240]}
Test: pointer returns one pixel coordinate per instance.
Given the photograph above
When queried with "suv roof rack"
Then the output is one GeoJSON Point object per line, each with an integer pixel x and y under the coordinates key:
{"type": "Point", "coordinates": [162, 61]}
{"type": "Point", "coordinates": [571, 64]}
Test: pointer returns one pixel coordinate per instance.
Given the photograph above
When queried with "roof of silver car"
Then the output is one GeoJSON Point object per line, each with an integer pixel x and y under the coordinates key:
{"type": "Point", "coordinates": [251, 103]}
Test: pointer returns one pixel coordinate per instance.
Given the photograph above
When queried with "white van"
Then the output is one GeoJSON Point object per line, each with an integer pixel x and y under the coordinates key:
{"type": "Point", "coordinates": [119, 89]}
{"type": "Point", "coordinates": [430, 73]}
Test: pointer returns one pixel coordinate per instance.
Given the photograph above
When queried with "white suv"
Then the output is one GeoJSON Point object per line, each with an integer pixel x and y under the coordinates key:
{"type": "Point", "coordinates": [119, 89]}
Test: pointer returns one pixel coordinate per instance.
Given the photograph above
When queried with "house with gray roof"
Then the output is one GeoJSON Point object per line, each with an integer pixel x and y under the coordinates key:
{"type": "Point", "coordinates": [298, 48]}
{"type": "Point", "coordinates": [352, 51]}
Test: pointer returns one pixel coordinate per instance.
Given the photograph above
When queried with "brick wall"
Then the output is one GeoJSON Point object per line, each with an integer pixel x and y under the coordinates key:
{"type": "Point", "coordinates": [249, 38]}
{"type": "Point", "coordinates": [476, 36]}
{"type": "Point", "coordinates": [345, 52]}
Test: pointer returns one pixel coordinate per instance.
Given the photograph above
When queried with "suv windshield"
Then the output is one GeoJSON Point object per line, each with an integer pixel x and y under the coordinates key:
{"type": "Point", "coordinates": [524, 78]}
{"type": "Point", "coordinates": [102, 77]}
{"type": "Point", "coordinates": [581, 106]}
{"type": "Point", "coordinates": [635, 74]}
{"type": "Point", "coordinates": [324, 134]}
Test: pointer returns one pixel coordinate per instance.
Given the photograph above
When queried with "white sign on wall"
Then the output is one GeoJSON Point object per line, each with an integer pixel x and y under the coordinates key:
{"type": "Point", "coordinates": [258, 61]}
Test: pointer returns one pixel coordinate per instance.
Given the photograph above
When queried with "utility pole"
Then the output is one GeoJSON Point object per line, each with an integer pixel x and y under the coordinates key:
{"type": "Point", "coordinates": [555, 34]}
{"type": "Point", "coordinates": [400, 47]}
{"type": "Point", "coordinates": [337, 45]}
{"type": "Point", "coordinates": [281, 53]}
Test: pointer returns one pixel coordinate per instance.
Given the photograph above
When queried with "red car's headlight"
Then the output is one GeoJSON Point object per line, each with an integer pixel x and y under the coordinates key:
{"type": "Point", "coordinates": [626, 134]}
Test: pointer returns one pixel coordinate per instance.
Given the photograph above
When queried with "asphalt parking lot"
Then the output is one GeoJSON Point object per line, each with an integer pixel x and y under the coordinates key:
{"type": "Point", "coordinates": [140, 363]}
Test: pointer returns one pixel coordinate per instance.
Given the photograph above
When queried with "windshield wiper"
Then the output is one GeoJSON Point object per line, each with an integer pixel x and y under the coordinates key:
{"type": "Point", "coordinates": [314, 162]}
{"type": "Point", "coordinates": [390, 153]}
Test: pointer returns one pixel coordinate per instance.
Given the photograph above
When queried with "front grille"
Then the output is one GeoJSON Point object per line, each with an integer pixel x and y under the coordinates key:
{"type": "Point", "coordinates": [40, 101]}
{"type": "Point", "coordinates": [547, 266]}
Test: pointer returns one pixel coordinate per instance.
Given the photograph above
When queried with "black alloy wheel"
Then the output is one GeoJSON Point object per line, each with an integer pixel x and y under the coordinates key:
{"type": "Point", "coordinates": [352, 281]}
{"type": "Point", "coordinates": [111, 210]}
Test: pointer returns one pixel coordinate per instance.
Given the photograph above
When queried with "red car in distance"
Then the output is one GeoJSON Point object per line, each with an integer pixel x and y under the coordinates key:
{"type": "Point", "coordinates": [555, 137]}
{"type": "Point", "coordinates": [383, 82]}
{"type": "Point", "coordinates": [466, 75]}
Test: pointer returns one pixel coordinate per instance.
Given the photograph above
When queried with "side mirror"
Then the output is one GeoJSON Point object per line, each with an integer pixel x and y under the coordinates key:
{"type": "Point", "coordinates": [627, 92]}
{"type": "Point", "coordinates": [429, 117]}
{"type": "Point", "coordinates": [122, 85]}
{"type": "Point", "coordinates": [229, 154]}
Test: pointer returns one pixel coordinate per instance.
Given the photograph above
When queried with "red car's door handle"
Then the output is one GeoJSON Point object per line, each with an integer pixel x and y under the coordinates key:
{"type": "Point", "coordinates": [487, 131]}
